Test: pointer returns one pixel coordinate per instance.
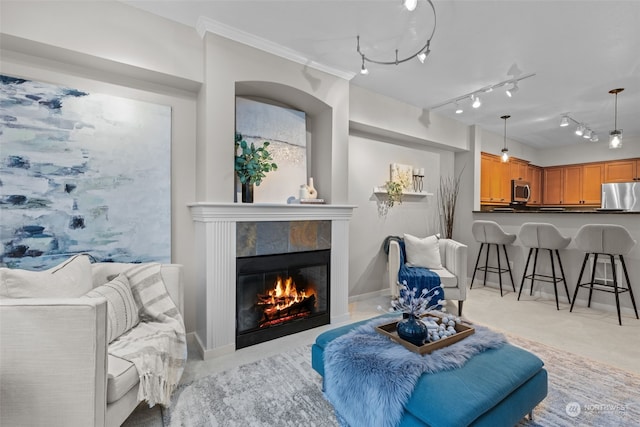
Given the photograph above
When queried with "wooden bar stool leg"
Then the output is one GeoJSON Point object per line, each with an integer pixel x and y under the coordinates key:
{"type": "Point", "coordinates": [499, 268]}
{"type": "Point", "coordinates": [615, 287]}
{"type": "Point", "coordinates": [524, 274]}
{"type": "Point", "coordinates": [626, 275]}
{"type": "Point", "coordinates": [506, 256]}
{"type": "Point", "coordinates": [476, 267]}
{"type": "Point", "coordinates": [533, 273]}
{"type": "Point", "coordinates": [575, 293]}
{"type": "Point", "coordinates": [555, 281]}
{"type": "Point", "coordinates": [593, 275]}
{"type": "Point", "coordinates": [564, 280]}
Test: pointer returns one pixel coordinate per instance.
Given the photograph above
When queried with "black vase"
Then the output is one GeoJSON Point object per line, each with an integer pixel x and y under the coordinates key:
{"type": "Point", "coordinates": [413, 330]}
{"type": "Point", "coordinates": [247, 193]}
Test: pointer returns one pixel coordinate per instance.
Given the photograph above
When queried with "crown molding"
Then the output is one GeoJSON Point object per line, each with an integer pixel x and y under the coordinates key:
{"type": "Point", "coordinates": [205, 25]}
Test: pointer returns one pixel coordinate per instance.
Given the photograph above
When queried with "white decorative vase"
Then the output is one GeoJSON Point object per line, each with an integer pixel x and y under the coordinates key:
{"type": "Point", "coordinates": [313, 193]}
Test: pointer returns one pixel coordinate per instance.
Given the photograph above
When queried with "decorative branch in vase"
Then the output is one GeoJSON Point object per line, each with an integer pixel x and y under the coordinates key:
{"type": "Point", "coordinates": [447, 198]}
{"type": "Point", "coordinates": [251, 165]}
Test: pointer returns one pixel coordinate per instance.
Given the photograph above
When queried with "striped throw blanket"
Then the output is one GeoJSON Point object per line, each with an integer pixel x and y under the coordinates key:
{"type": "Point", "coordinates": [157, 345]}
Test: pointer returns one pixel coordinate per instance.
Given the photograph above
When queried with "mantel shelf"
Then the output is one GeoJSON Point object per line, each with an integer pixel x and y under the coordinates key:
{"type": "Point", "coordinates": [382, 190]}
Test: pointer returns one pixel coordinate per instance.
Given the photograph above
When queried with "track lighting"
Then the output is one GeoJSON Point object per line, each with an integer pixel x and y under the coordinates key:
{"type": "Point", "coordinates": [421, 54]}
{"type": "Point", "coordinates": [410, 4]}
{"type": "Point", "coordinates": [486, 89]}
{"type": "Point", "coordinates": [363, 70]}
{"type": "Point", "coordinates": [459, 109]}
{"type": "Point", "coordinates": [581, 130]}
{"type": "Point", "coordinates": [505, 150]}
{"type": "Point", "coordinates": [615, 136]}
{"type": "Point", "coordinates": [513, 89]}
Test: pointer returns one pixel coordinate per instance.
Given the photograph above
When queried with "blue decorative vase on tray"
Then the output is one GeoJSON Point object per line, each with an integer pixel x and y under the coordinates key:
{"type": "Point", "coordinates": [413, 304]}
{"type": "Point", "coordinates": [412, 330]}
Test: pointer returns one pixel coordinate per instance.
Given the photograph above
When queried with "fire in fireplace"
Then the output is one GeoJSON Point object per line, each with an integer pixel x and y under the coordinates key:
{"type": "Point", "coordinates": [281, 294]}
{"type": "Point", "coordinates": [284, 302]}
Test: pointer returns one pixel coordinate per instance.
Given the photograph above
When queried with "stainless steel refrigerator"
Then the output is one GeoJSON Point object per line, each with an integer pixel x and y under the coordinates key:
{"type": "Point", "coordinates": [621, 196]}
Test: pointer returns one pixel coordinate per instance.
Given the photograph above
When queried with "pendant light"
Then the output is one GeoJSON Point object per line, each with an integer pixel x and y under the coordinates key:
{"type": "Point", "coordinates": [505, 150]}
{"type": "Point", "coordinates": [615, 136]}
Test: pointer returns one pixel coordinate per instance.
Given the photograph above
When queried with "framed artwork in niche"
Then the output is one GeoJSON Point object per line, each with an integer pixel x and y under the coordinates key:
{"type": "Point", "coordinates": [82, 172]}
{"type": "Point", "coordinates": [285, 129]}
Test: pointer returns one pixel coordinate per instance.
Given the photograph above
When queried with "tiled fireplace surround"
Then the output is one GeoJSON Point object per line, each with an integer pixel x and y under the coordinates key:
{"type": "Point", "coordinates": [215, 230]}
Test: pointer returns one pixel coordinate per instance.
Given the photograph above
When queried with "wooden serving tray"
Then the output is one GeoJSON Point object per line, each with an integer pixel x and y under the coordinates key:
{"type": "Point", "coordinates": [462, 331]}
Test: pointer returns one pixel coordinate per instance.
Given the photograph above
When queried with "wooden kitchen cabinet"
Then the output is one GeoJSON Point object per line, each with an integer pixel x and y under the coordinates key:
{"type": "Point", "coordinates": [517, 169]}
{"type": "Point", "coordinates": [622, 171]}
{"type": "Point", "coordinates": [592, 179]}
{"type": "Point", "coordinates": [553, 182]}
{"type": "Point", "coordinates": [534, 176]}
{"type": "Point", "coordinates": [494, 180]}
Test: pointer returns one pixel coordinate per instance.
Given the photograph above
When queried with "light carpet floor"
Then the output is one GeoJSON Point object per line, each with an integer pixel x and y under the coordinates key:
{"type": "Point", "coordinates": [283, 390]}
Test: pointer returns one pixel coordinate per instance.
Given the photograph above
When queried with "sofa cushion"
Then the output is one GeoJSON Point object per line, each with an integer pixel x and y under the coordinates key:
{"type": "Point", "coordinates": [423, 252]}
{"type": "Point", "coordinates": [122, 311]}
{"type": "Point", "coordinates": [69, 279]}
{"type": "Point", "coordinates": [122, 375]}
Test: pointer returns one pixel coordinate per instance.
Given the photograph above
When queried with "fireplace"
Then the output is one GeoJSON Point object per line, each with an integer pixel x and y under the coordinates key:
{"type": "Point", "coordinates": [281, 294]}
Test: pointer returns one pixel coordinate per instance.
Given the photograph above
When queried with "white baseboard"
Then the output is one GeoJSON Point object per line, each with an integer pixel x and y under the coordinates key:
{"type": "Point", "coordinates": [380, 293]}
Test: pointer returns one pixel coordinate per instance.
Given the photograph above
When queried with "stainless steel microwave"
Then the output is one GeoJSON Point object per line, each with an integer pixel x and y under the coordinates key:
{"type": "Point", "coordinates": [520, 191]}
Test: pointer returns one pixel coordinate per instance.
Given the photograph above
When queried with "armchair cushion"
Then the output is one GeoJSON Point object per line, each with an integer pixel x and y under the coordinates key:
{"type": "Point", "coordinates": [70, 279]}
{"type": "Point", "coordinates": [423, 252]}
{"type": "Point", "coordinates": [122, 311]}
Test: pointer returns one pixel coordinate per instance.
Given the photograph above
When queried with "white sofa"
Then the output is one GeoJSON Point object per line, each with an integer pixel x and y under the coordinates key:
{"type": "Point", "coordinates": [453, 276]}
{"type": "Point", "coordinates": [54, 365]}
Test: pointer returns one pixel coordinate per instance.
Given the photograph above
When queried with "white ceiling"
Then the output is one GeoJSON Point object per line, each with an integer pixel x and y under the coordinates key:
{"type": "Point", "coordinates": [578, 49]}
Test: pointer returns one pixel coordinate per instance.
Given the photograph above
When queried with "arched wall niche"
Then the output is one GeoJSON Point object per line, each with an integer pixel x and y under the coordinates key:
{"type": "Point", "coordinates": [319, 120]}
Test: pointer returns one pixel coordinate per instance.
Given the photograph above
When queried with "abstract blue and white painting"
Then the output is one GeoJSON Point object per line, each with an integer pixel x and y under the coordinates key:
{"type": "Point", "coordinates": [82, 172]}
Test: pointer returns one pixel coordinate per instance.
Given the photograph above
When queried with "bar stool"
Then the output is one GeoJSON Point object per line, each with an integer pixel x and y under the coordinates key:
{"type": "Point", "coordinates": [490, 233]}
{"type": "Point", "coordinates": [545, 236]}
{"type": "Point", "coordinates": [607, 240]}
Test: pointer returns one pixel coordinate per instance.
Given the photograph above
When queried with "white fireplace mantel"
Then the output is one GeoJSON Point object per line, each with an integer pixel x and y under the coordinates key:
{"type": "Point", "coordinates": [215, 231]}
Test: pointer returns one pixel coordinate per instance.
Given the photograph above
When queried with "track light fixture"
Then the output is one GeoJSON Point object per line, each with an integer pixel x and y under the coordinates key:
{"type": "Point", "coordinates": [410, 4]}
{"type": "Point", "coordinates": [513, 89]}
{"type": "Point", "coordinates": [615, 136]}
{"type": "Point", "coordinates": [421, 54]}
{"type": "Point", "coordinates": [505, 150]}
{"type": "Point", "coordinates": [581, 130]}
{"type": "Point", "coordinates": [473, 96]}
{"type": "Point", "coordinates": [459, 109]}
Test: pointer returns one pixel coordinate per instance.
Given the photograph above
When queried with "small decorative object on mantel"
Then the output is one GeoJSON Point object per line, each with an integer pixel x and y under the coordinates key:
{"type": "Point", "coordinates": [312, 201]}
{"type": "Point", "coordinates": [251, 165]}
{"type": "Point", "coordinates": [313, 193]}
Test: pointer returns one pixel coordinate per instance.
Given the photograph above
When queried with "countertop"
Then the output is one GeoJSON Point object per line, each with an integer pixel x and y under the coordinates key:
{"type": "Point", "coordinates": [560, 211]}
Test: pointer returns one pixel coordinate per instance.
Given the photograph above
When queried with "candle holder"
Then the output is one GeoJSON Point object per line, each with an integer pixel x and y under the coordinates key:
{"type": "Point", "coordinates": [417, 183]}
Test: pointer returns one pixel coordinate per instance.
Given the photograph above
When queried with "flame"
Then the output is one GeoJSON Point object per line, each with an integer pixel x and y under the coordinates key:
{"type": "Point", "coordinates": [283, 295]}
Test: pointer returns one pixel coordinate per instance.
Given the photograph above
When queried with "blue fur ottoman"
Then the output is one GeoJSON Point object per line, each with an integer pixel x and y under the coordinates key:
{"type": "Point", "coordinates": [497, 387]}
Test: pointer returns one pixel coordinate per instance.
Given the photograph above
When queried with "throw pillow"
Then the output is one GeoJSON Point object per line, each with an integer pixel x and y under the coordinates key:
{"type": "Point", "coordinates": [70, 279]}
{"type": "Point", "coordinates": [122, 311]}
{"type": "Point", "coordinates": [423, 252]}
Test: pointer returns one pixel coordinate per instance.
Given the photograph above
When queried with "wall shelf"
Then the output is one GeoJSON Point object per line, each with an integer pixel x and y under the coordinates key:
{"type": "Point", "coordinates": [382, 190]}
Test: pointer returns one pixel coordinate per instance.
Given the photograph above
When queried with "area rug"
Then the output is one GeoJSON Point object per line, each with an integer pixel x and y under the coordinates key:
{"type": "Point", "coordinates": [284, 390]}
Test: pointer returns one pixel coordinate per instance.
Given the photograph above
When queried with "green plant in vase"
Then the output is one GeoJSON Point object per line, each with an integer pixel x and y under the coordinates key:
{"type": "Point", "coordinates": [251, 165]}
{"type": "Point", "coordinates": [394, 193]}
